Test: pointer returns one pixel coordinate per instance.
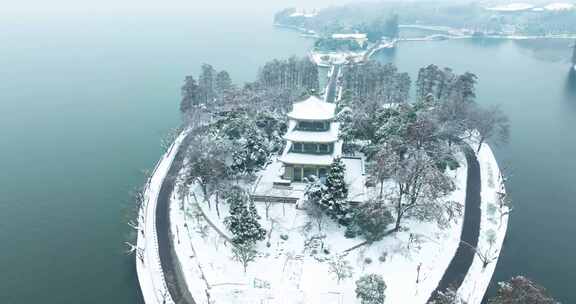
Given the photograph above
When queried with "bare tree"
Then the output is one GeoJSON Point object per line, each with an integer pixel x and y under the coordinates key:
{"type": "Point", "coordinates": [486, 257]}
{"type": "Point", "coordinates": [491, 123]}
{"type": "Point", "coordinates": [382, 167]}
{"type": "Point", "coordinates": [244, 254]}
{"type": "Point", "coordinates": [267, 205]}
{"type": "Point", "coordinates": [420, 188]}
{"type": "Point", "coordinates": [341, 268]}
{"type": "Point", "coordinates": [316, 213]}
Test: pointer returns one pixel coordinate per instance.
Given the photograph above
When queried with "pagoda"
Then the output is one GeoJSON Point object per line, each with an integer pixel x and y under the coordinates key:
{"type": "Point", "coordinates": [311, 140]}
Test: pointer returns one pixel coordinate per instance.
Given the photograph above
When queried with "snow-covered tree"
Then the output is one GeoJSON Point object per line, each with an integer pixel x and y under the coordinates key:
{"type": "Point", "coordinates": [222, 83]}
{"type": "Point", "coordinates": [243, 219]}
{"type": "Point", "coordinates": [520, 290]}
{"type": "Point", "coordinates": [336, 192]}
{"type": "Point", "coordinates": [421, 186]}
{"type": "Point", "coordinates": [427, 82]}
{"type": "Point", "coordinates": [341, 268]}
{"type": "Point", "coordinates": [206, 84]}
{"type": "Point", "coordinates": [378, 82]}
{"type": "Point", "coordinates": [491, 123]}
{"type": "Point", "coordinates": [190, 94]}
{"type": "Point", "coordinates": [253, 153]}
{"type": "Point", "coordinates": [244, 253]}
{"type": "Point", "coordinates": [208, 163]}
{"type": "Point", "coordinates": [448, 296]}
{"type": "Point", "coordinates": [313, 195]}
{"type": "Point", "coordinates": [371, 219]}
{"type": "Point", "coordinates": [370, 289]}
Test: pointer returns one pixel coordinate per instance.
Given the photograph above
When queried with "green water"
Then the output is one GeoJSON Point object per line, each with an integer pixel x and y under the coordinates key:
{"type": "Point", "coordinates": [83, 104]}
{"type": "Point", "coordinates": [531, 82]}
{"type": "Point", "coordinates": [84, 101]}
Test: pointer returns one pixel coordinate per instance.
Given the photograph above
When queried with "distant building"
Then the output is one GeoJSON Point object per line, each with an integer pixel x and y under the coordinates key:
{"type": "Point", "coordinates": [559, 6]}
{"type": "Point", "coordinates": [361, 39]}
{"type": "Point", "coordinates": [526, 7]}
{"type": "Point", "coordinates": [512, 8]}
{"type": "Point", "coordinates": [311, 141]}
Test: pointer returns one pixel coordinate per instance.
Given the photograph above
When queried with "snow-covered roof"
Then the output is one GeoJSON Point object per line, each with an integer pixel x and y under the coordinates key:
{"type": "Point", "coordinates": [559, 6]}
{"type": "Point", "coordinates": [315, 137]}
{"type": "Point", "coordinates": [310, 159]}
{"type": "Point", "coordinates": [307, 159]}
{"type": "Point", "coordinates": [357, 36]}
{"type": "Point", "coordinates": [303, 13]}
{"type": "Point", "coordinates": [312, 108]}
{"type": "Point", "coordinates": [512, 7]}
{"type": "Point", "coordinates": [312, 136]}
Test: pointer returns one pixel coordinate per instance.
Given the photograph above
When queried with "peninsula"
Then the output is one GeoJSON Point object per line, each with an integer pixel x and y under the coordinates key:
{"type": "Point", "coordinates": [282, 191]}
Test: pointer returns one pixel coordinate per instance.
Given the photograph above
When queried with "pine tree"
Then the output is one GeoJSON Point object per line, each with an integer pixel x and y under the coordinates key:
{"type": "Point", "coordinates": [336, 193]}
{"type": "Point", "coordinates": [335, 180]}
{"type": "Point", "coordinates": [252, 155]}
{"type": "Point", "coordinates": [243, 219]}
{"type": "Point", "coordinates": [223, 82]}
{"type": "Point", "coordinates": [189, 93]}
{"type": "Point", "coordinates": [206, 84]}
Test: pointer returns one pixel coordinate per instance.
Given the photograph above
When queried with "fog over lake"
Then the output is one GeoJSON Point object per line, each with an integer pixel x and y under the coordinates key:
{"type": "Point", "coordinates": [87, 91]}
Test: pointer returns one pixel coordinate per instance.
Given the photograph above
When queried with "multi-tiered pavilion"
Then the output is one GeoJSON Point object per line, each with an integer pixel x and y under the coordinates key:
{"type": "Point", "coordinates": [312, 144]}
{"type": "Point", "coordinates": [312, 141]}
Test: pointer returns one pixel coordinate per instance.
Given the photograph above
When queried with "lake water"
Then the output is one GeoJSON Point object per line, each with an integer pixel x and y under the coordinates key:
{"type": "Point", "coordinates": [85, 100]}
{"type": "Point", "coordinates": [532, 83]}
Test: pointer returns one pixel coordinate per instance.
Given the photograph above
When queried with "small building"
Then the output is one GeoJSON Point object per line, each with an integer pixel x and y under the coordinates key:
{"type": "Point", "coordinates": [312, 144]}
{"type": "Point", "coordinates": [361, 39]}
{"type": "Point", "coordinates": [312, 141]}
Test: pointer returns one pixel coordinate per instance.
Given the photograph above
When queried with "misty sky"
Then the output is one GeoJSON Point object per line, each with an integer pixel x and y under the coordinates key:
{"type": "Point", "coordinates": [125, 6]}
{"type": "Point", "coordinates": [44, 7]}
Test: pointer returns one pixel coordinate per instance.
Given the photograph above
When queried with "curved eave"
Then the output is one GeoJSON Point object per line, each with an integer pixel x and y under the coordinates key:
{"type": "Point", "coordinates": [328, 117]}
{"type": "Point", "coordinates": [307, 159]}
{"type": "Point", "coordinates": [311, 139]}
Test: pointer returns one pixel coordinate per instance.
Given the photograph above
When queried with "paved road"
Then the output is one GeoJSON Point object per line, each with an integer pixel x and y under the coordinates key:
{"type": "Point", "coordinates": [170, 265]}
{"type": "Point", "coordinates": [462, 260]}
{"type": "Point", "coordinates": [332, 85]}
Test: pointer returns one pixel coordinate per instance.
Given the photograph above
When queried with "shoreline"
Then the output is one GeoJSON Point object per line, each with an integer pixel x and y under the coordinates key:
{"type": "Point", "coordinates": [151, 277]}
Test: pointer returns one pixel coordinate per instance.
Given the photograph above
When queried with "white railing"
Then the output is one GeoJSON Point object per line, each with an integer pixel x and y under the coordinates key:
{"type": "Point", "coordinates": [148, 265]}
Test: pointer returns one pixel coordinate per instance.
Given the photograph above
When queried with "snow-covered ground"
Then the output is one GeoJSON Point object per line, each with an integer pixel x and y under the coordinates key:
{"type": "Point", "coordinates": [512, 7]}
{"type": "Point", "coordinates": [287, 271]}
{"type": "Point", "coordinates": [148, 268]}
{"type": "Point", "coordinates": [559, 6]}
{"type": "Point", "coordinates": [185, 251]}
{"type": "Point", "coordinates": [493, 226]}
{"type": "Point", "coordinates": [303, 13]}
{"type": "Point", "coordinates": [326, 59]}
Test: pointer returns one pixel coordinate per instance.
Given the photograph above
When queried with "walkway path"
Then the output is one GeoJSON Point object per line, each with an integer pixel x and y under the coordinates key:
{"type": "Point", "coordinates": [170, 265]}
{"type": "Point", "coordinates": [462, 260]}
{"type": "Point", "coordinates": [331, 88]}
